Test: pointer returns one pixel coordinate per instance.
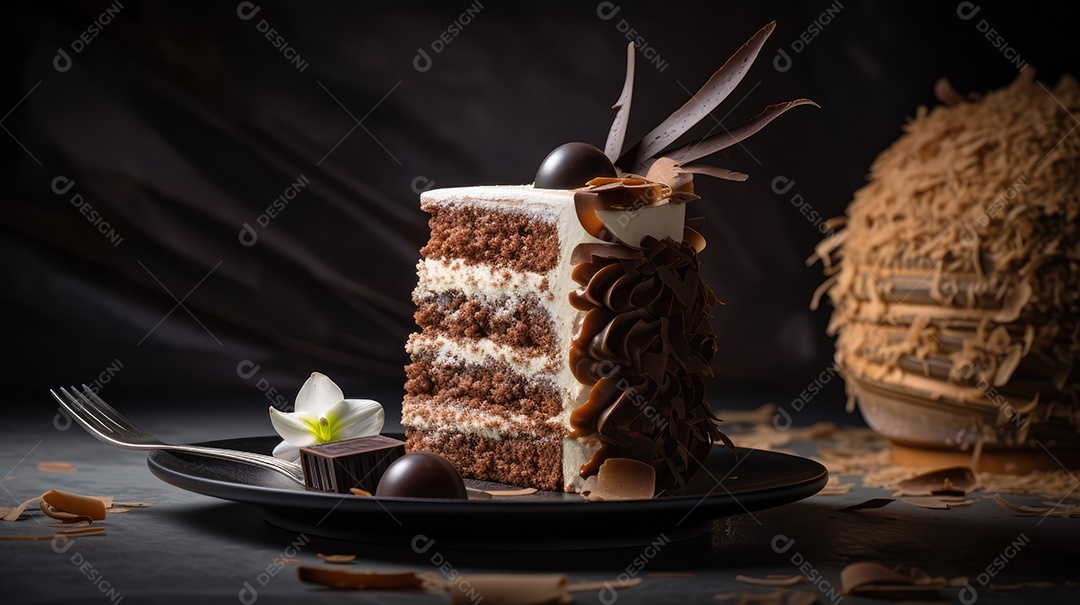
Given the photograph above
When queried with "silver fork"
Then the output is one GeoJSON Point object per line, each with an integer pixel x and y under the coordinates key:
{"type": "Point", "coordinates": [102, 421]}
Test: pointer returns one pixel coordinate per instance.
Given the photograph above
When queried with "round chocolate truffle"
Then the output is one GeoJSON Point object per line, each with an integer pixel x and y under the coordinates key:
{"type": "Point", "coordinates": [572, 165]}
{"type": "Point", "coordinates": [422, 475]}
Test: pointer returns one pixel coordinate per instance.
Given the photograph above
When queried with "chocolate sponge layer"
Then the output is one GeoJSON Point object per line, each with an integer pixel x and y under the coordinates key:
{"type": "Point", "coordinates": [520, 461]}
{"type": "Point", "coordinates": [506, 239]}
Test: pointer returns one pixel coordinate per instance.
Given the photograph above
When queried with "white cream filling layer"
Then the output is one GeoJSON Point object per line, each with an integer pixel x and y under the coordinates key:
{"type": "Point", "coordinates": [433, 416]}
{"type": "Point", "coordinates": [478, 281]}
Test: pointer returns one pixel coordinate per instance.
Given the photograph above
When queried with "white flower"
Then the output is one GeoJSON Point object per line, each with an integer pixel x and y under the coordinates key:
{"type": "Point", "coordinates": [321, 415]}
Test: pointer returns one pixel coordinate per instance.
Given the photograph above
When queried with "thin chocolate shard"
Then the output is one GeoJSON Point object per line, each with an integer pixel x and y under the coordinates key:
{"type": "Point", "coordinates": [711, 94]}
{"type": "Point", "coordinates": [1060, 509]}
{"type": "Point", "coordinates": [698, 149]}
{"type": "Point", "coordinates": [867, 505]}
{"type": "Point", "coordinates": [715, 172]}
{"type": "Point", "coordinates": [617, 134]}
{"type": "Point", "coordinates": [341, 578]}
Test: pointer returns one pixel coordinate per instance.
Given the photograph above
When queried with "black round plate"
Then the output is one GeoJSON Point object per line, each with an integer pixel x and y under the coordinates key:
{"type": "Point", "coordinates": [756, 480]}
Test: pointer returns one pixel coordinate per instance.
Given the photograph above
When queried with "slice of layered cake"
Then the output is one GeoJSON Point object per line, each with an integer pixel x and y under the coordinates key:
{"type": "Point", "coordinates": [565, 323]}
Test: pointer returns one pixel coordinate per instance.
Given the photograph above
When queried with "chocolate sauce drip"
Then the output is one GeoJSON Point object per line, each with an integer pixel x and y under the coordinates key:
{"type": "Point", "coordinates": [644, 345]}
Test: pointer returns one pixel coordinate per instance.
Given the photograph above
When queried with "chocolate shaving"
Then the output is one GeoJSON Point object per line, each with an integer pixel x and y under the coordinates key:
{"type": "Point", "coordinates": [715, 172]}
{"type": "Point", "coordinates": [774, 580]}
{"type": "Point", "coordinates": [510, 589]}
{"type": "Point", "coordinates": [957, 480]}
{"type": "Point", "coordinates": [617, 134]}
{"type": "Point", "coordinates": [645, 344]}
{"type": "Point", "coordinates": [1059, 509]}
{"type": "Point", "coordinates": [56, 467]}
{"type": "Point", "coordinates": [527, 491]}
{"type": "Point", "coordinates": [867, 505]}
{"type": "Point", "coordinates": [339, 559]}
{"type": "Point", "coordinates": [873, 579]}
{"type": "Point", "coordinates": [341, 578]}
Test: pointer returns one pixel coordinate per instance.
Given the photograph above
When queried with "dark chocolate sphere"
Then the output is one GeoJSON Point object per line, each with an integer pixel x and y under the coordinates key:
{"type": "Point", "coordinates": [571, 166]}
{"type": "Point", "coordinates": [421, 475]}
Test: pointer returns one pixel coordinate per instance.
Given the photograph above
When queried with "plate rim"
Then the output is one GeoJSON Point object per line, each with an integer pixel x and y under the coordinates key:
{"type": "Point", "coordinates": [311, 499]}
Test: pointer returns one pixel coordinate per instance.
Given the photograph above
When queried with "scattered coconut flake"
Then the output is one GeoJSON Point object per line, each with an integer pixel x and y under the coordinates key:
{"type": "Point", "coordinates": [511, 492]}
{"type": "Point", "coordinates": [834, 487]}
{"type": "Point", "coordinates": [340, 559]}
{"type": "Point", "coordinates": [286, 561]}
{"type": "Point", "coordinates": [873, 579]}
{"type": "Point", "coordinates": [56, 467]}
{"type": "Point", "coordinates": [591, 586]}
{"type": "Point", "coordinates": [772, 580]}
{"type": "Point", "coordinates": [76, 504]}
{"type": "Point", "coordinates": [511, 589]}
{"type": "Point", "coordinates": [958, 581]}
{"type": "Point", "coordinates": [126, 504]}
{"type": "Point", "coordinates": [867, 505]}
{"type": "Point", "coordinates": [117, 511]}
{"type": "Point", "coordinates": [624, 479]}
{"type": "Point", "coordinates": [15, 513]}
{"type": "Point", "coordinates": [958, 480]}
{"type": "Point", "coordinates": [1059, 510]}
{"type": "Point", "coordinates": [937, 502]}
{"type": "Point", "coordinates": [341, 578]}
{"type": "Point", "coordinates": [82, 531]}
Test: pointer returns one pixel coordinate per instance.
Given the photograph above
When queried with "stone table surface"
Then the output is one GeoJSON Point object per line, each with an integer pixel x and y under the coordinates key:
{"type": "Point", "coordinates": [192, 548]}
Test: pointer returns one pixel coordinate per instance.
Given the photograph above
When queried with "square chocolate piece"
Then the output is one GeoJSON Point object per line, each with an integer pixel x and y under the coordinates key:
{"type": "Point", "coordinates": [341, 465]}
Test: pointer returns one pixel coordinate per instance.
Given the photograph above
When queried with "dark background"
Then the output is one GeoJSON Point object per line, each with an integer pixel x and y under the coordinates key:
{"type": "Point", "coordinates": [180, 122]}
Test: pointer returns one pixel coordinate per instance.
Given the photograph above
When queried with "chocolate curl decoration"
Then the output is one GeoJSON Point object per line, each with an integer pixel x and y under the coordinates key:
{"type": "Point", "coordinates": [644, 346]}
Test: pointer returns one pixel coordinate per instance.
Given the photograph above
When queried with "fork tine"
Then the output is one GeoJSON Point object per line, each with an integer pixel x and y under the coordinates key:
{"type": "Point", "coordinates": [110, 413]}
{"type": "Point", "coordinates": [76, 411]}
{"type": "Point", "coordinates": [97, 414]}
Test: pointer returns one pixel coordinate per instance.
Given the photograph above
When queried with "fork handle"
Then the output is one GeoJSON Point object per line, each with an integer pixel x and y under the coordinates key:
{"type": "Point", "coordinates": [289, 469]}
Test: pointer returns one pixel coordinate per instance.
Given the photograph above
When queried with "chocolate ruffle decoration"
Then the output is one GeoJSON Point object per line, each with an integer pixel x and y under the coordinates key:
{"type": "Point", "coordinates": [644, 346]}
